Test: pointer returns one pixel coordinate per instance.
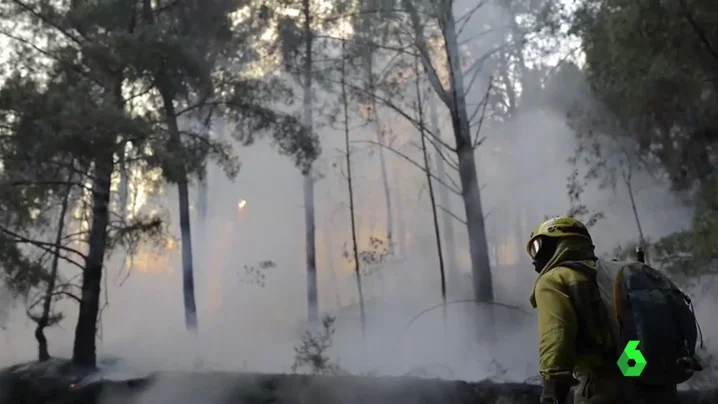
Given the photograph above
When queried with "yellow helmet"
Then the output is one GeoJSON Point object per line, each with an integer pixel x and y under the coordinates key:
{"type": "Point", "coordinates": [557, 227]}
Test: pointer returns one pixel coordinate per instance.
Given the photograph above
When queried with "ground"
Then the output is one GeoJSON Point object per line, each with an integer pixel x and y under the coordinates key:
{"type": "Point", "coordinates": [29, 385]}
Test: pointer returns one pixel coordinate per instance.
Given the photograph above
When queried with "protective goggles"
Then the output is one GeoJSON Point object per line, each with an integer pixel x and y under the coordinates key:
{"type": "Point", "coordinates": [534, 248]}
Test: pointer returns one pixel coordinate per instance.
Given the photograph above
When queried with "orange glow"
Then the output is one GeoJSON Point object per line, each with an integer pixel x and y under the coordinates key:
{"type": "Point", "coordinates": [155, 259]}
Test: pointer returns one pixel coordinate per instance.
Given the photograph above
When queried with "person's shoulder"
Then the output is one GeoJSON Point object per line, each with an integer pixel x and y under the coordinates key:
{"type": "Point", "coordinates": [565, 275]}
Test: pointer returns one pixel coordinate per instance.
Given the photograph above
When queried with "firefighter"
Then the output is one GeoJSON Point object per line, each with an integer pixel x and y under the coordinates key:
{"type": "Point", "coordinates": [577, 347]}
{"type": "Point", "coordinates": [574, 336]}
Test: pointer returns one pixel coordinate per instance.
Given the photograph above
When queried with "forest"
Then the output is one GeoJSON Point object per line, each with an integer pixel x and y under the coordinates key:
{"type": "Point", "coordinates": [339, 187]}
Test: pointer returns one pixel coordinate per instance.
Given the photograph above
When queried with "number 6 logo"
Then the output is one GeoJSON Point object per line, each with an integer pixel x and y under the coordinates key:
{"type": "Point", "coordinates": [631, 352]}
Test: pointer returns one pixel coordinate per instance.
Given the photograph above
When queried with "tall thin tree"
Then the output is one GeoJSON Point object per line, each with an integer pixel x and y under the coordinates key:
{"type": "Point", "coordinates": [449, 241]}
{"type": "Point", "coordinates": [350, 188]}
{"type": "Point", "coordinates": [309, 213]}
{"type": "Point", "coordinates": [430, 183]}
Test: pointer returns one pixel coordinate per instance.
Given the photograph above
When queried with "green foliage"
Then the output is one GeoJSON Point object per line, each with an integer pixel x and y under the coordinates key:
{"type": "Point", "coordinates": [576, 187]}
{"type": "Point", "coordinates": [650, 68]}
{"type": "Point", "coordinates": [654, 76]}
{"type": "Point", "coordinates": [87, 92]}
{"type": "Point", "coordinates": [693, 252]}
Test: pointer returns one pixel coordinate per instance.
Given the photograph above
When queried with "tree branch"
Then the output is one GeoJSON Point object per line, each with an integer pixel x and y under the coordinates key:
{"type": "Point", "coordinates": [410, 160]}
{"type": "Point", "coordinates": [439, 150]}
{"type": "Point", "coordinates": [477, 141]}
{"type": "Point", "coordinates": [41, 244]}
{"type": "Point", "coordinates": [450, 213]}
{"type": "Point", "coordinates": [423, 48]}
{"type": "Point", "coordinates": [386, 102]}
{"type": "Point", "coordinates": [475, 68]}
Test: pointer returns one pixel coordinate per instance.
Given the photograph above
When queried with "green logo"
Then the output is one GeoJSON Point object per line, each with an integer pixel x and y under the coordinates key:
{"type": "Point", "coordinates": [630, 352]}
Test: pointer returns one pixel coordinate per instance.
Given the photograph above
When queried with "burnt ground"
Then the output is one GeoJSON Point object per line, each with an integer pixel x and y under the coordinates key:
{"type": "Point", "coordinates": [249, 388]}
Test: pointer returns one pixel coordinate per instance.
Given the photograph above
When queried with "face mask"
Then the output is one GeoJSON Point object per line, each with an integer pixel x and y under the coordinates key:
{"type": "Point", "coordinates": [544, 251]}
{"type": "Point", "coordinates": [537, 266]}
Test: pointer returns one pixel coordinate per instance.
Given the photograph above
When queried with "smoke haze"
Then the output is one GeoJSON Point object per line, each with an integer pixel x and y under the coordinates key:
{"type": "Point", "coordinates": [252, 322]}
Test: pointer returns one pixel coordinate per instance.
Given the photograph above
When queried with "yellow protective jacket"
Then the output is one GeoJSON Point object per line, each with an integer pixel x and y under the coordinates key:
{"type": "Point", "coordinates": [573, 328]}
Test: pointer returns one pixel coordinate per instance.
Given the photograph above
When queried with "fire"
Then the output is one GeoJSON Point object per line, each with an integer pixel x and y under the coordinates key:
{"type": "Point", "coordinates": [241, 204]}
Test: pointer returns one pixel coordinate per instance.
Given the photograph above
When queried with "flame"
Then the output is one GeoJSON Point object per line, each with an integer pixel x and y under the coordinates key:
{"type": "Point", "coordinates": [241, 204]}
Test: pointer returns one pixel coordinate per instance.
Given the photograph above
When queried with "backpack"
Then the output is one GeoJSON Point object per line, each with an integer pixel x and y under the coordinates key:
{"type": "Point", "coordinates": [645, 305]}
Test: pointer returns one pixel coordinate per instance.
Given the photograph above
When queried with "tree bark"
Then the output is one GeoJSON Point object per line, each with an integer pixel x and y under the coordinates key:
{"type": "Point", "coordinates": [84, 347]}
{"type": "Point", "coordinates": [401, 227]}
{"type": "Point", "coordinates": [382, 157]}
{"type": "Point", "coordinates": [478, 246]}
{"type": "Point", "coordinates": [124, 188]}
{"type": "Point", "coordinates": [449, 244]}
{"type": "Point", "coordinates": [432, 197]}
{"type": "Point", "coordinates": [178, 175]}
{"type": "Point", "coordinates": [352, 216]}
{"type": "Point", "coordinates": [455, 99]}
{"type": "Point", "coordinates": [309, 216]}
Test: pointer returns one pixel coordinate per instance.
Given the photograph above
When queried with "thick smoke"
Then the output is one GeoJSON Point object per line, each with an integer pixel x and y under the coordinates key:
{"type": "Point", "coordinates": [251, 323]}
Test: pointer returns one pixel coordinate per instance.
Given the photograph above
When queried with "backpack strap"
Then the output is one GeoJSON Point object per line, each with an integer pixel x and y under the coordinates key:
{"type": "Point", "coordinates": [618, 295]}
{"type": "Point", "coordinates": [609, 284]}
{"type": "Point", "coordinates": [616, 286]}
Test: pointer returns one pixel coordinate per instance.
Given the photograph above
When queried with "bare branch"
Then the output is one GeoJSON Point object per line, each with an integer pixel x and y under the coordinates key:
{"type": "Point", "coordinates": [47, 183]}
{"type": "Point", "coordinates": [452, 163]}
{"type": "Point", "coordinates": [47, 21]}
{"type": "Point", "coordinates": [18, 238]}
{"type": "Point", "coordinates": [476, 67]}
{"type": "Point", "coordinates": [410, 160]}
{"type": "Point", "coordinates": [386, 102]}
{"type": "Point", "coordinates": [421, 45]}
{"type": "Point", "coordinates": [464, 19]}
{"type": "Point", "coordinates": [68, 294]}
{"type": "Point", "coordinates": [478, 141]}
{"type": "Point", "coordinates": [450, 213]}
{"type": "Point", "coordinates": [400, 50]}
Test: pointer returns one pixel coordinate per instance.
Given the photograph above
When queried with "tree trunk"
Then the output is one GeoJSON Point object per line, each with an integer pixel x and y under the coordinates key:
{"type": "Point", "coordinates": [84, 347]}
{"type": "Point", "coordinates": [382, 158]}
{"type": "Point", "coordinates": [447, 221]}
{"type": "Point", "coordinates": [124, 187]}
{"type": "Point", "coordinates": [401, 228]}
{"type": "Point", "coordinates": [179, 175]}
{"type": "Point", "coordinates": [478, 248]}
{"type": "Point", "coordinates": [309, 217]}
{"type": "Point", "coordinates": [430, 184]}
{"type": "Point", "coordinates": [44, 321]}
{"type": "Point", "coordinates": [355, 247]}
{"type": "Point", "coordinates": [83, 352]}
{"type": "Point", "coordinates": [455, 100]}
{"type": "Point", "coordinates": [202, 196]}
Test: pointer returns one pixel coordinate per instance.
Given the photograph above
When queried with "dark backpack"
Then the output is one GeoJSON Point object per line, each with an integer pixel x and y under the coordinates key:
{"type": "Point", "coordinates": [645, 305]}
